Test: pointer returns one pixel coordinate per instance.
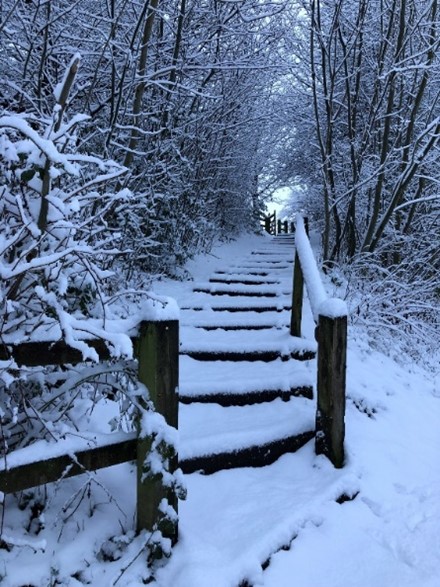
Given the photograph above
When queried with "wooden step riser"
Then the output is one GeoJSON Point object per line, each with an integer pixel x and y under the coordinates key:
{"type": "Point", "coordinates": [256, 456]}
{"type": "Point", "coordinates": [244, 399]}
{"type": "Point", "coordinates": [259, 310]}
{"type": "Point", "coordinates": [271, 262]}
{"type": "Point", "coordinates": [237, 327]}
{"type": "Point", "coordinates": [266, 265]}
{"type": "Point", "coordinates": [268, 253]}
{"type": "Point", "coordinates": [251, 294]}
{"type": "Point", "coordinates": [256, 272]}
{"type": "Point", "coordinates": [243, 281]}
{"type": "Point", "coordinates": [265, 356]}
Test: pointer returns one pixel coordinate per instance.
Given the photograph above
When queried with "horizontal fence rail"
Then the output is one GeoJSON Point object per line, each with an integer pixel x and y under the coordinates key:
{"type": "Point", "coordinates": [330, 315]}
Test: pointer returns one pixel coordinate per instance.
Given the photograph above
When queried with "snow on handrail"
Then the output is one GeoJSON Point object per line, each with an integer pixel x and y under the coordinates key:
{"type": "Point", "coordinates": [320, 302]}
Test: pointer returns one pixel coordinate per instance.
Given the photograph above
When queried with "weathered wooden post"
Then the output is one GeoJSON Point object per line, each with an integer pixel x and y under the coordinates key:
{"type": "Point", "coordinates": [279, 227]}
{"type": "Point", "coordinates": [158, 355]}
{"type": "Point", "coordinates": [332, 351]}
{"type": "Point", "coordinates": [292, 227]}
{"type": "Point", "coordinates": [286, 227]}
{"type": "Point", "coordinates": [297, 298]}
{"type": "Point", "coordinates": [267, 224]}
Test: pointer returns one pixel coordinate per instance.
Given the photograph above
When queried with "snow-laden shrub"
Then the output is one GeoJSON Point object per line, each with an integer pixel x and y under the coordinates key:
{"type": "Point", "coordinates": [54, 241]}
{"type": "Point", "coordinates": [396, 303]}
{"type": "Point", "coordinates": [58, 236]}
{"type": "Point", "coordinates": [54, 244]}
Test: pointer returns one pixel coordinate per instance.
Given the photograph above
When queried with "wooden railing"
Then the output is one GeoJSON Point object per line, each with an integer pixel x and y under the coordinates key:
{"type": "Point", "coordinates": [330, 315]}
{"type": "Point", "coordinates": [285, 227]}
{"type": "Point", "coordinates": [157, 350]}
{"type": "Point", "coordinates": [273, 226]}
{"type": "Point", "coordinates": [269, 222]}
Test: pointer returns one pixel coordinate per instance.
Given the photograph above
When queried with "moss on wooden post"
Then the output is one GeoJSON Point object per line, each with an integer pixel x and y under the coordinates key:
{"type": "Point", "coordinates": [330, 422]}
{"type": "Point", "coordinates": [158, 355]}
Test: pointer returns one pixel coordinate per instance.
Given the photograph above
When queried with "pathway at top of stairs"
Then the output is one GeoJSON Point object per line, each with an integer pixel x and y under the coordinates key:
{"type": "Point", "coordinates": [245, 383]}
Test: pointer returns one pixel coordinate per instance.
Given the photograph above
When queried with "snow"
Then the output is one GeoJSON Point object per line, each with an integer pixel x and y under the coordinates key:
{"type": "Point", "coordinates": [216, 288]}
{"type": "Point", "coordinates": [116, 331]}
{"type": "Point", "coordinates": [217, 341]}
{"type": "Point", "coordinates": [235, 521]}
{"type": "Point", "coordinates": [46, 146]}
{"type": "Point", "coordinates": [312, 278]}
{"type": "Point", "coordinates": [211, 318]}
{"type": "Point", "coordinates": [205, 302]}
{"type": "Point", "coordinates": [333, 308]}
{"type": "Point", "coordinates": [241, 377]}
{"type": "Point", "coordinates": [69, 445]}
{"type": "Point", "coordinates": [211, 429]}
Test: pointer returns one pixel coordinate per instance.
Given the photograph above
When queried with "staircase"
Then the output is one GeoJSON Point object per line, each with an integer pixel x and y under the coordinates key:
{"type": "Point", "coordinates": [245, 383]}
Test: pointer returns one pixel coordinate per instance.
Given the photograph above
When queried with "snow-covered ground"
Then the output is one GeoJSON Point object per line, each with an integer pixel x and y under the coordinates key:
{"type": "Point", "coordinates": [385, 534]}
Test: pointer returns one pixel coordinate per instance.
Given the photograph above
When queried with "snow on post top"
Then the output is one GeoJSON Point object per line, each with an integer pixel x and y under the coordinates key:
{"type": "Point", "coordinates": [333, 308]}
{"type": "Point", "coordinates": [159, 309]}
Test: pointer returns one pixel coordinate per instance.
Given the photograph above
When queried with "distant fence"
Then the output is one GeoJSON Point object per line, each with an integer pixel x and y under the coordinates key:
{"type": "Point", "coordinates": [157, 351]}
{"type": "Point", "coordinates": [273, 226]}
{"type": "Point", "coordinates": [269, 222]}
{"type": "Point", "coordinates": [330, 315]}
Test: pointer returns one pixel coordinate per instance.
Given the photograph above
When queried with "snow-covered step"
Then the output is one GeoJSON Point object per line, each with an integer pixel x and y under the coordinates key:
{"type": "Point", "coordinates": [259, 345]}
{"type": "Point", "coordinates": [211, 319]}
{"type": "Point", "coordinates": [237, 289]}
{"type": "Point", "coordinates": [203, 301]}
{"type": "Point", "coordinates": [213, 437]}
{"type": "Point", "coordinates": [240, 383]}
{"type": "Point", "coordinates": [269, 260]}
{"type": "Point", "coordinates": [257, 265]}
{"type": "Point", "coordinates": [283, 238]}
{"type": "Point", "coordinates": [275, 253]}
{"type": "Point", "coordinates": [242, 278]}
{"type": "Point", "coordinates": [247, 271]}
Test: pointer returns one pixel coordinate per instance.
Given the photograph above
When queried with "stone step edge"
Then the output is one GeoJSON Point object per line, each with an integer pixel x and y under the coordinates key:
{"type": "Point", "coordinates": [253, 456]}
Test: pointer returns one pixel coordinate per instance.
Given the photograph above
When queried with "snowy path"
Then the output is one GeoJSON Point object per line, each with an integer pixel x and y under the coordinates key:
{"type": "Point", "coordinates": [234, 522]}
{"type": "Point", "coordinates": [239, 377]}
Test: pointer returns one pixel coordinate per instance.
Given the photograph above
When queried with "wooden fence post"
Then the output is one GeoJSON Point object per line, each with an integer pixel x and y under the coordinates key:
{"type": "Point", "coordinates": [332, 353]}
{"type": "Point", "coordinates": [286, 225]}
{"type": "Point", "coordinates": [297, 298]}
{"type": "Point", "coordinates": [158, 355]}
{"type": "Point", "coordinates": [267, 224]}
{"type": "Point", "coordinates": [279, 227]}
{"type": "Point", "coordinates": [292, 227]}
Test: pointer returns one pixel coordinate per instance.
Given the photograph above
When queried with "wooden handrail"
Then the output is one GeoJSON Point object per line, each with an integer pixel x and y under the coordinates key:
{"type": "Point", "coordinates": [330, 315]}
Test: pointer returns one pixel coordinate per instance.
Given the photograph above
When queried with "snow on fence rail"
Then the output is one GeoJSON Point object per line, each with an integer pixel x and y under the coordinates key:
{"type": "Point", "coordinates": [157, 349]}
{"type": "Point", "coordinates": [330, 315]}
